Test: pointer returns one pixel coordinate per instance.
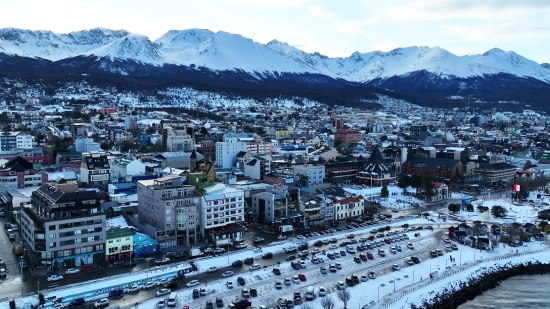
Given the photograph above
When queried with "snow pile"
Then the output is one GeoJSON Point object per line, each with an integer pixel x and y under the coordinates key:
{"type": "Point", "coordinates": [116, 222]}
{"type": "Point", "coordinates": [397, 201]}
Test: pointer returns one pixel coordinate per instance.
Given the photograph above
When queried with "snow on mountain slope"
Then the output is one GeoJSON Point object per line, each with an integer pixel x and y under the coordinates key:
{"type": "Point", "coordinates": [133, 47]}
{"type": "Point", "coordinates": [9, 50]}
{"type": "Point", "coordinates": [225, 51]}
{"type": "Point", "coordinates": [52, 46]}
{"type": "Point", "coordinates": [364, 67]}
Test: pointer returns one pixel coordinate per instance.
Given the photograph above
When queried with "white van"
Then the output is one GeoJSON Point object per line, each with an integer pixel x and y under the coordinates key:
{"type": "Point", "coordinates": [255, 267]}
{"type": "Point", "coordinates": [172, 299]}
{"type": "Point", "coordinates": [310, 293]}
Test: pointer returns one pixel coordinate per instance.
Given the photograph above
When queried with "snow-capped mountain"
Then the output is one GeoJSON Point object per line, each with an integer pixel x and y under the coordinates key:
{"type": "Point", "coordinates": [226, 51]}
{"type": "Point", "coordinates": [9, 50]}
{"type": "Point", "coordinates": [133, 48]}
{"type": "Point", "coordinates": [365, 67]}
{"type": "Point", "coordinates": [52, 46]}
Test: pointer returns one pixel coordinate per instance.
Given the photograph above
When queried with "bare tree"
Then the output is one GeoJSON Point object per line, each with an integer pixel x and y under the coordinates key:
{"type": "Point", "coordinates": [328, 303]}
{"type": "Point", "coordinates": [344, 295]}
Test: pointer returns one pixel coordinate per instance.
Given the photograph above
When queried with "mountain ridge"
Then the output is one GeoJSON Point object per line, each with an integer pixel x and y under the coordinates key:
{"type": "Point", "coordinates": [226, 51]}
{"type": "Point", "coordinates": [235, 64]}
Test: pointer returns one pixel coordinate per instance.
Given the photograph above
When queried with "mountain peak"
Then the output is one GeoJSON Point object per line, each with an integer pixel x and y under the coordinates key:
{"type": "Point", "coordinates": [493, 51]}
{"type": "Point", "coordinates": [545, 65]}
{"type": "Point", "coordinates": [133, 47]}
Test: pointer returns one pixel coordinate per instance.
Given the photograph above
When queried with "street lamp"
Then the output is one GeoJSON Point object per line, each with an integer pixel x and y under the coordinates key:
{"type": "Point", "coordinates": [379, 292]}
{"type": "Point", "coordinates": [38, 290]}
{"type": "Point", "coordinates": [147, 269]}
{"type": "Point", "coordinates": [124, 300]}
{"type": "Point", "coordinates": [394, 283]}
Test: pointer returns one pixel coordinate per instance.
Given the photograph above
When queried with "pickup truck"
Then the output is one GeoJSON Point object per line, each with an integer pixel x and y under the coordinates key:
{"type": "Point", "coordinates": [297, 298]}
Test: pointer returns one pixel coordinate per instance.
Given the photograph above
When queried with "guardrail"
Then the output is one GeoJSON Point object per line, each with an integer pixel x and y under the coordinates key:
{"type": "Point", "coordinates": [395, 296]}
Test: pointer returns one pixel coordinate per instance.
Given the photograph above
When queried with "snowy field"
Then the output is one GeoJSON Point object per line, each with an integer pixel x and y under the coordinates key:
{"type": "Point", "coordinates": [521, 213]}
{"type": "Point", "coordinates": [396, 199]}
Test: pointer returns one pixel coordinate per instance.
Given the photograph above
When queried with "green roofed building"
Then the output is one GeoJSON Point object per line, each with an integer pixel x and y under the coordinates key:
{"type": "Point", "coordinates": [119, 243]}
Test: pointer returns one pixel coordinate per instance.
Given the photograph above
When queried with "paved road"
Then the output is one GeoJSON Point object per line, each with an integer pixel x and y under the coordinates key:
{"type": "Point", "coordinates": [263, 280]}
{"type": "Point", "coordinates": [12, 285]}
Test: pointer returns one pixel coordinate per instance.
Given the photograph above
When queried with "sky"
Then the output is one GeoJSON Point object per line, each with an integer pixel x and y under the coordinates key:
{"type": "Point", "coordinates": [335, 28]}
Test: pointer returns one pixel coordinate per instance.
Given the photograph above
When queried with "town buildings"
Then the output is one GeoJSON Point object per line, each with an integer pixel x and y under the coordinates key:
{"type": "Point", "coordinates": [169, 210]}
{"type": "Point", "coordinates": [95, 170]}
{"type": "Point", "coordinates": [63, 226]}
{"type": "Point", "coordinates": [19, 173]}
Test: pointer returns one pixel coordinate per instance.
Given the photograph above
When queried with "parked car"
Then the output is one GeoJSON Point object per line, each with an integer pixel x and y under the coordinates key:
{"type": "Point", "coordinates": [229, 284]}
{"type": "Point", "coordinates": [72, 271]}
{"type": "Point", "coordinates": [372, 275]}
{"type": "Point", "coordinates": [267, 256]}
{"type": "Point", "coordinates": [104, 302]}
{"type": "Point", "coordinates": [54, 278]}
{"type": "Point", "coordinates": [237, 263]}
{"type": "Point", "coordinates": [193, 283]}
{"type": "Point", "coordinates": [164, 260]}
{"type": "Point", "coordinates": [227, 273]}
{"type": "Point", "coordinates": [212, 269]}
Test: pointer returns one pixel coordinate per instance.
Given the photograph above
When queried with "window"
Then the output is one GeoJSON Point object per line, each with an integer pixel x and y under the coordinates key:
{"type": "Point", "coordinates": [110, 241]}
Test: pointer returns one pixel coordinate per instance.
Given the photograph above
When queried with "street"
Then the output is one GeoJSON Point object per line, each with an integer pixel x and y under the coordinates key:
{"type": "Point", "coordinates": [13, 285]}
{"type": "Point", "coordinates": [264, 278]}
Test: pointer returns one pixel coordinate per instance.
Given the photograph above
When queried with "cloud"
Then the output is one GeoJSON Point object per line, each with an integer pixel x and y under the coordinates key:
{"type": "Point", "coordinates": [271, 3]}
{"type": "Point", "coordinates": [441, 10]}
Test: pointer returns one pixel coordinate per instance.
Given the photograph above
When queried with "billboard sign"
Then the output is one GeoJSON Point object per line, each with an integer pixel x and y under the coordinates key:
{"type": "Point", "coordinates": [286, 228]}
{"type": "Point", "coordinates": [515, 187]}
{"type": "Point", "coordinates": [466, 201]}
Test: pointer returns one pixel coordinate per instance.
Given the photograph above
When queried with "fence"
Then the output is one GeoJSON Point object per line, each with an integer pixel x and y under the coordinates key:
{"type": "Point", "coordinates": [395, 296]}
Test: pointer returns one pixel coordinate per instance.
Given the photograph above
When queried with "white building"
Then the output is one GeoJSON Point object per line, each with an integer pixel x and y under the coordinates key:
{"type": "Point", "coordinates": [315, 173]}
{"type": "Point", "coordinates": [95, 169]}
{"type": "Point", "coordinates": [227, 150]}
{"type": "Point", "coordinates": [24, 141]}
{"type": "Point", "coordinates": [86, 145]}
{"type": "Point", "coordinates": [348, 207]}
{"type": "Point", "coordinates": [122, 169]}
{"type": "Point", "coordinates": [179, 140]}
{"type": "Point", "coordinates": [222, 212]}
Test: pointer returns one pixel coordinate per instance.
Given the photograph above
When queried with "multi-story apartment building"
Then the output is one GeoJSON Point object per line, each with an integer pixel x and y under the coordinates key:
{"type": "Point", "coordinates": [177, 139]}
{"type": "Point", "coordinates": [95, 169]}
{"type": "Point", "coordinates": [107, 110]}
{"type": "Point", "coordinates": [207, 148]}
{"type": "Point", "coordinates": [24, 141]}
{"type": "Point", "coordinates": [347, 136]}
{"type": "Point", "coordinates": [343, 172]}
{"type": "Point", "coordinates": [33, 155]}
{"type": "Point", "coordinates": [227, 151]}
{"type": "Point", "coordinates": [130, 122]}
{"type": "Point", "coordinates": [8, 141]}
{"type": "Point", "coordinates": [277, 205]}
{"type": "Point", "coordinates": [70, 160]}
{"type": "Point", "coordinates": [222, 212]}
{"type": "Point", "coordinates": [86, 144]}
{"type": "Point", "coordinates": [315, 173]}
{"type": "Point", "coordinates": [63, 226]}
{"type": "Point", "coordinates": [170, 209]}
{"type": "Point", "coordinates": [167, 123]}
{"type": "Point", "coordinates": [19, 173]}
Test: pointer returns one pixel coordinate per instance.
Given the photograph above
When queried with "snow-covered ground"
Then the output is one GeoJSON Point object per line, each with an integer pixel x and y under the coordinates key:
{"type": "Point", "coordinates": [396, 199]}
{"type": "Point", "coordinates": [424, 290]}
{"type": "Point", "coordinates": [382, 287]}
{"type": "Point", "coordinates": [516, 212]}
{"type": "Point", "coordinates": [263, 280]}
